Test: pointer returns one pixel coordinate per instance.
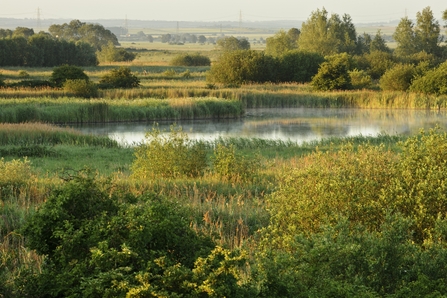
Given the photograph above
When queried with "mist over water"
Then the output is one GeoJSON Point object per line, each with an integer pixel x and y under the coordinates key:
{"type": "Point", "coordinates": [294, 124]}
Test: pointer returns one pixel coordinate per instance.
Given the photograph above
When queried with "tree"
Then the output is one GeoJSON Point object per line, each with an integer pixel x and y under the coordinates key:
{"type": "Point", "coordinates": [378, 43]}
{"type": "Point", "coordinates": [333, 74]}
{"type": "Point", "coordinates": [76, 30]}
{"type": "Point", "coordinates": [298, 66]}
{"type": "Point", "coordinates": [279, 44]}
{"type": "Point", "coordinates": [328, 36]}
{"type": "Point", "coordinates": [398, 78]}
{"type": "Point", "coordinates": [233, 44]}
{"type": "Point", "coordinates": [5, 33]}
{"type": "Point", "coordinates": [202, 39]}
{"type": "Point", "coordinates": [433, 81]}
{"type": "Point", "coordinates": [294, 35]}
{"type": "Point", "coordinates": [166, 38]}
{"type": "Point", "coordinates": [110, 53]}
{"type": "Point", "coordinates": [67, 72]}
{"type": "Point", "coordinates": [427, 32]}
{"type": "Point", "coordinates": [405, 38]}
{"type": "Point", "coordinates": [23, 32]}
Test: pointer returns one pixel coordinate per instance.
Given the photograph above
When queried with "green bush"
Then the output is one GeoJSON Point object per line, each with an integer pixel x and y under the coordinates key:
{"type": "Point", "coordinates": [169, 155]}
{"type": "Point", "coordinates": [333, 74]}
{"type": "Point", "coordinates": [398, 78]}
{"type": "Point", "coordinates": [81, 88]}
{"type": "Point", "coordinates": [234, 167]}
{"type": "Point", "coordinates": [432, 82]}
{"type": "Point", "coordinates": [109, 53]}
{"type": "Point", "coordinates": [190, 60]}
{"type": "Point", "coordinates": [67, 72]}
{"type": "Point", "coordinates": [360, 79]}
{"type": "Point", "coordinates": [119, 78]}
{"type": "Point", "coordinates": [95, 239]}
{"type": "Point", "coordinates": [299, 66]}
{"type": "Point", "coordinates": [23, 74]}
{"type": "Point", "coordinates": [243, 66]}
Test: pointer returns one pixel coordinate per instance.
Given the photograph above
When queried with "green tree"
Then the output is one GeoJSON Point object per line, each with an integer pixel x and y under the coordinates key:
{"type": "Point", "coordinates": [378, 43]}
{"type": "Point", "coordinates": [23, 32]}
{"type": "Point", "coordinates": [405, 38]}
{"type": "Point", "coordinates": [279, 44]}
{"type": "Point", "coordinates": [67, 72]}
{"type": "Point", "coordinates": [433, 81]}
{"type": "Point", "coordinates": [334, 73]}
{"type": "Point", "coordinates": [328, 36]}
{"type": "Point", "coordinates": [94, 34]}
{"type": "Point", "coordinates": [110, 53]}
{"type": "Point", "coordinates": [233, 44]}
{"type": "Point", "coordinates": [298, 66]}
{"type": "Point", "coordinates": [427, 32]}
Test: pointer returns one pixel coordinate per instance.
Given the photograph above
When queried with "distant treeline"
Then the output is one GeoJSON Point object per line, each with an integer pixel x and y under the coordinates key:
{"type": "Point", "coordinates": [41, 50]}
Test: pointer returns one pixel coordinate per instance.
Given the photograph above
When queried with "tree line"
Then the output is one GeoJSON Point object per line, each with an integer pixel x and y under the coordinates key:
{"type": "Point", "coordinates": [74, 43]}
{"type": "Point", "coordinates": [328, 52]}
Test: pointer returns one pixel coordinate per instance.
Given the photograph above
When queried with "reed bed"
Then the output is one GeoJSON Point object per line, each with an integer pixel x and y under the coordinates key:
{"type": "Point", "coordinates": [71, 110]}
{"type": "Point", "coordinates": [33, 133]}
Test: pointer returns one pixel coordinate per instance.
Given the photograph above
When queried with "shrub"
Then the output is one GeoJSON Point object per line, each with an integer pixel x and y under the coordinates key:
{"type": "Point", "coordinates": [23, 74]}
{"type": "Point", "coordinates": [109, 53]}
{"type": "Point", "coordinates": [81, 88]}
{"type": "Point", "coordinates": [190, 60]}
{"type": "Point", "coordinates": [360, 79]}
{"type": "Point", "coordinates": [67, 72]}
{"type": "Point", "coordinates": [231, 166]}
{"type": "Point", "coordinates": [119, 78]}
{"type": "Point", "coordinates": [299, 66]}
{"type": "Point", "coordinates": [432, 82]}
{"type": "Point", "coordinates": [333, 74]}
{"type": "Point", "coordinates": [398, 78]}
{"type": "Point", "coordinates": [13, 175]}
{"type": "Point", "coordinates": [243, 66]}
{"type": "Point", "coordinates": [169, 156]}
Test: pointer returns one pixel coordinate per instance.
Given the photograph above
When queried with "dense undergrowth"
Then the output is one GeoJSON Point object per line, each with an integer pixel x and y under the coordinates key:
{"type": "Point", "coordinates": [356, 216]}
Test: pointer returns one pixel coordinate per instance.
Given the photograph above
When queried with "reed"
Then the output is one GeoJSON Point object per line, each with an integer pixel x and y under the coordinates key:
{"type": "Point", "coordinates": [70, 110]}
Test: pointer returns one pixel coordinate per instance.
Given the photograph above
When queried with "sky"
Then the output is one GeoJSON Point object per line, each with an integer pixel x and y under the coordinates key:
{"type": "Point", "coordinates": [361, 11]}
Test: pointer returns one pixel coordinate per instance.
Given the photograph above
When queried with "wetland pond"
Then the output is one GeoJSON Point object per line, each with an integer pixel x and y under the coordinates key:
{"type": "Point", "coordinates": [294, 124]}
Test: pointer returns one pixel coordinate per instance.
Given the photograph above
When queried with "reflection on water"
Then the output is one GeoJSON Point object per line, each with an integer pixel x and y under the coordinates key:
{"type": "Point", "coordinates": [298, 125]}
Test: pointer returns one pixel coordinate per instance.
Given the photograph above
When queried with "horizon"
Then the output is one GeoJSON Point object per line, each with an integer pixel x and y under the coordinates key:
{"type": "Point", "coordinates": [214, 11]}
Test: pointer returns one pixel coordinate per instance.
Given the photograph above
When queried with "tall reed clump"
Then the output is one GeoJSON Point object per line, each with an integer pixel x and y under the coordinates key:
{"type": "Point", "coordinates": [33, 133]}
{"type": "Point", "coordinates": [66, 110]}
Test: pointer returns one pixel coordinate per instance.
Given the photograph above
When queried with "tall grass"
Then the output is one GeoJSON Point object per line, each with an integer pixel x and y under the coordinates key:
{"type": "Point", "coordinates": [33, 133]}
{"type": "Point", "coordinates": [70, 110]}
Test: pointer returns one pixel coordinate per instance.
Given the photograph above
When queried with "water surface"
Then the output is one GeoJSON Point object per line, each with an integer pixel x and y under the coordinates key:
{"type": "Point", "coordinates": [295, 124]}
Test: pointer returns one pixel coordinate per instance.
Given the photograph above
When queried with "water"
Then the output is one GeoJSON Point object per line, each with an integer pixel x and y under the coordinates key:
{"type": "Point", "coordinates": [296, 124]}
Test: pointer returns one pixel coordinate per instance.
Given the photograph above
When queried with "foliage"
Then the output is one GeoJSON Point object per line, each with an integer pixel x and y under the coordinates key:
{"type": "Point", "coordinates": [333, 74]}
{"type": "Point", "coordinates": [93, 34]}
{"type": "Point", "coordinates": [109, 53]}
{"type": "Point", "coordinates": [378, 43]}
{"type": "Point", "coordinates": [376, 63]}
{"type": "Point", "coordinates": [328, 36]}
{"type": "Point", "coordinates": [63, 73]}
{"type": "Point", "coordinates": [433, 81]}
{"type": "Point", "coordinates": [42, 50]}
{"type": "Point", "coordinates": [81, 88]}
{"type": "Point", "coordinates": [190, 60]}
{"type": "Point", "coordinates": [233, 44]}
{"type": "Point", "coordinates": [241, 67]}
{"type": "Point", "coordinates": [119, 78]}
{"type": "Point", "coordinates": [279, 44]}
{"type": "Point", "coordinates": [232, 166]}
{"type": "Point", "coordinates": [398, 78]}
{"type": "Point", "coordinates": [101, 243]}
{"type": "Point", "coordinates": [169, 156]}
{"type": "Point", "coordinates": [298, 66]}
{"type": "Point", "coordinates": [13, 175]}
{"type": "Point", "coordinates": [360, 79]}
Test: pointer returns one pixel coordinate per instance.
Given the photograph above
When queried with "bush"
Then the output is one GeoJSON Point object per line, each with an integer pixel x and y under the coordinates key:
{"type": "Point", "coordinates": [81, 88]}
{"type": "Point", "coordinates": [243, 66]}
{"type": "Point", "coordinates": [398, 78]}
{"type": "Point", "coordinates": [299, 66]}
{"type": "Point", "coordinates": [119, 78]}
{"type": "Point", "coordinates": [190, 60]}
{"type": "Point", "coordinates": [67, 72]}
{"type": "Point", "coordinates": [169, 156]}
{"type": "Point", "coordinates": [334, 74]}
{"type": "Point", "coordinates": [23, 74]}
{"type": "Point", "coordinates": [360, 79]}
{"type": "Point", "coordinates": [109, 53]}
{"type": "Point", "coordinates": [234, 167]}
{"type": "Point", "coordinates": [432, 82]}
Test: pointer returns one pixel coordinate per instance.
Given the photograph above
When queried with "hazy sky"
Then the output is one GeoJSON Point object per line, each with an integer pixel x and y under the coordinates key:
{"type": "Point", "coordinates": [216, 10]}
